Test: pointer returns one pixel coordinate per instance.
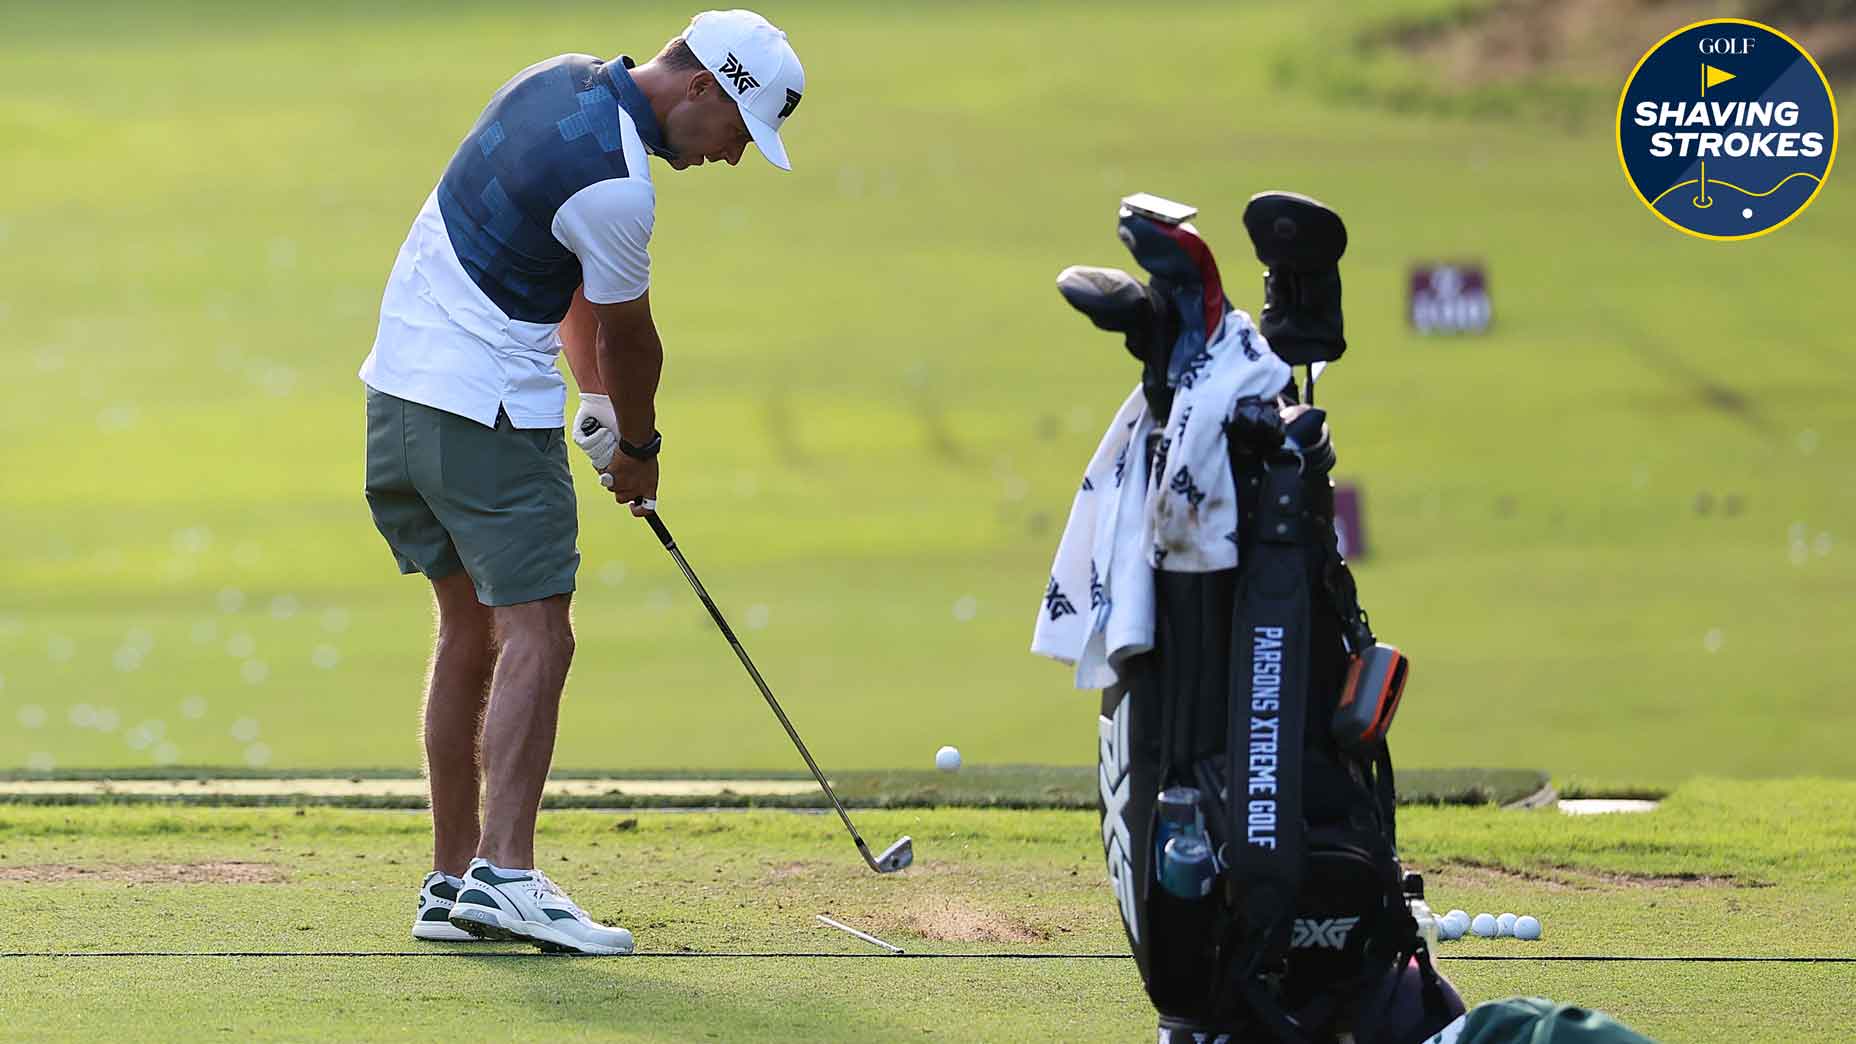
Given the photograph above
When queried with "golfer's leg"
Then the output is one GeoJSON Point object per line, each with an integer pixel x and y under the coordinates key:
{"type": "Point", "coordinates": [535, 646]}
{"type": "Point", "coordinates": [456, 692]}
{"type": "Point", "coordinates": [401, 445]}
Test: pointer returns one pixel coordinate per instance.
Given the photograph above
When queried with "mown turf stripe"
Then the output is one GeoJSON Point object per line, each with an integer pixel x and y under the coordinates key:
{"type": "Point", "coordinates": [1650, 958]}
{"type": "Point", "coordinates": [983, 786]}
{"type": "Point", "coordinates": [761, 955]}
{"type": "Point", "coordinates": [754, 955]}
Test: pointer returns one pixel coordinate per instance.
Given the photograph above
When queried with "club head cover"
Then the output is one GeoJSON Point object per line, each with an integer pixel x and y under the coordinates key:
{"type": "Point", "coordinates": [1301, 240]}
{"type": "Point", "coordinates": [1257, 425]}
{"type": "Point", "coordinates": [1113, 300]}
{"type": "Point", "coordinates": [1294, 232]}
{"type": "Point", "coordinates": [1185, 274]}
{"type": "Point", "coordinates": [1116, 301]}
{"type": "Point", "coordinates": [1309, 432]}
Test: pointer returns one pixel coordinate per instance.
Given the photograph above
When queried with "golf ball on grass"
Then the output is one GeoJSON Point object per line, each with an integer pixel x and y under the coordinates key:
{"type": "Point", "coordinates": [1504, 926]}
{"type": "Point", "coordinates": [1484, 926]}
{"type": "Point", "coordinates": [1458, 923]}
{"type": "Point", "coordinates": [1527, 929]}
{"type": "Point", "coordinates": [947, 759]}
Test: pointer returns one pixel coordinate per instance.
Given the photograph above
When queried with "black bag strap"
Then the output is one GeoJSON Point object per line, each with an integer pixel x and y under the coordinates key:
{"type": "Point", "coordinates": [1269, 679]}
{"type": "Point", "coordinates": [1385, 792]}
{"type": "Point", "coordinates": [1343, 593]}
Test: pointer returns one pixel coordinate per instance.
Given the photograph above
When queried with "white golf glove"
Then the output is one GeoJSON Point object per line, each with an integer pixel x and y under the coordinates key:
{"type": "Point", "coordinates": [596, 430]}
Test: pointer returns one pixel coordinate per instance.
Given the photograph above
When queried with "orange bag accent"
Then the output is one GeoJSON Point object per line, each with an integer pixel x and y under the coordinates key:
{"type": "Point", "coordinates": [1370, 696]}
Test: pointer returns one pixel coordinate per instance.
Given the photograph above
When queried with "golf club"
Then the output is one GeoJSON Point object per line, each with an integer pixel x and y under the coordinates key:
{"type": "Point", "coordinates": [896, 856]}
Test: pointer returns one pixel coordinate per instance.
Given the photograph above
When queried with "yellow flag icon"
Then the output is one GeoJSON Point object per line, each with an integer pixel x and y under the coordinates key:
{"type": "Point", "coordinates": [1711, 76]}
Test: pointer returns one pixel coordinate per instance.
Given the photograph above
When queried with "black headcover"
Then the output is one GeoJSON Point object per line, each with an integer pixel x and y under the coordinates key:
{"type": "Point", "coordinates": [1118, 302]}
{"type": "Point", "coordinates": [1301, 240]}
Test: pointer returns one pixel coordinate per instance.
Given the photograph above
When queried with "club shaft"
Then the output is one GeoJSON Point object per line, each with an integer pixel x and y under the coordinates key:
{"type": "Point", "coordinates": [670, 544]}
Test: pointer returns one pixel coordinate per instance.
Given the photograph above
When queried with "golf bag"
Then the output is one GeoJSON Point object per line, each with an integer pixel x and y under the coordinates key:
{"type": "Point", "coordinates": [1247, 793]}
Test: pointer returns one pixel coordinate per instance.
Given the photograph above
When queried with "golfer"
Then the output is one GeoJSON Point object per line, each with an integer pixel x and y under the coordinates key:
{"type": "Point", "coordinates": [535, 241]}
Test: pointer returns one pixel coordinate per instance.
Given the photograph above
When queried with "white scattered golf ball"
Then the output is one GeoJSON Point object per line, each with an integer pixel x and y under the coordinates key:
{"type": "Point", "coordinates": [1483, 926]}
{"type": "Point", "coordinates": [1527, 928]}
{"type": "Point", "coordinates": [1504, 925]}
{"type": "Point", "coordinates": [947, 759]}
{"type": "Point", "coordinates": [1458, 922]}
{"type": "Point", "coordinates": [1448, 929]}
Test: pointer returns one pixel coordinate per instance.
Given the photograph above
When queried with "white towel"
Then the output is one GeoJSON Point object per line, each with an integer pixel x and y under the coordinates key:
{"type": "Point", "coordinates": [1098, 607]}
{"type": "Point", "coordinates": [1127, 520]}
{"type": "Point", "coordinates": [1192, 499]}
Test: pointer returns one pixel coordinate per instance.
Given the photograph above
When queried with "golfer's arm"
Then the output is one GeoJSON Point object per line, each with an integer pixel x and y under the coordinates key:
{"type": "Point", "coordinates": [630, 359]}
{"type": "Point", "coordinates": [578, 331]}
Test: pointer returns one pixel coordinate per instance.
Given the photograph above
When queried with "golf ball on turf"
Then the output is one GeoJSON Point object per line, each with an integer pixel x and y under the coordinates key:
{"type": "Point", "coordinates": [1527, 928]}
{"type": "Point", "coordinates": [1458, 922]}
{"type": "Point", "coordinates": [1447, 930]}
{"type": "Point", "coordinates": [1504, 926]}
{"type": "Point", "coordinates": [947, 759]}
{"type": "Point", "coordinates": [1483, 926]}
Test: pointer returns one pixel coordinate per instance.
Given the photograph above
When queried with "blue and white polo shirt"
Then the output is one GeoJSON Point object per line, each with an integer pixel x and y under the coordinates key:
{"type": "Point", "coordinates": [549, 190]}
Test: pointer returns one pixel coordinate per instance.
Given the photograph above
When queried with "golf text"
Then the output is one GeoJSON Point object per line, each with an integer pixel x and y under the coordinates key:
{"type": "Point", "coordinates": [1265, 734]}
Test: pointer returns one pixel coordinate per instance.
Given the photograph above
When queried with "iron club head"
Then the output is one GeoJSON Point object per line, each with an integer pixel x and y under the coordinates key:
{"type": "Point", "coordinates": [896, 856]}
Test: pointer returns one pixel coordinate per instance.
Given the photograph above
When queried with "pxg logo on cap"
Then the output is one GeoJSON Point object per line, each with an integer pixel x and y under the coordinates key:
{"type": "Point", "coordinates": [756, 66]}
{"type": "Point", "coordinates": [1727, 129]}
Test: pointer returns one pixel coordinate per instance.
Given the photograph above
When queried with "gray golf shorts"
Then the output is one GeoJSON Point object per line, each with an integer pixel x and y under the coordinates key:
{"type": "Point", "coordinates": [450, 494]}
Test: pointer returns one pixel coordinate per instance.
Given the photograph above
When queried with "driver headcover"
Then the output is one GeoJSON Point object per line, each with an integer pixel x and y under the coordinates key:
{"type": "Point", "coordinates": [1182, 269]}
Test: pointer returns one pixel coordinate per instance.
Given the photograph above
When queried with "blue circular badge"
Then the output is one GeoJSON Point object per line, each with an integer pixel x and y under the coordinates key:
{"type": "Point", "coordinates": [1727, 129]}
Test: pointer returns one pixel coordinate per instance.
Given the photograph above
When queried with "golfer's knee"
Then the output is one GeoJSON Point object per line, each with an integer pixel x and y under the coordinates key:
{"type": "Point", "coordinates": [465, 626]}
{"type": "Point", "coordinates": [468, 647]}
{"type": "Point", "coordinates": [541, 629]}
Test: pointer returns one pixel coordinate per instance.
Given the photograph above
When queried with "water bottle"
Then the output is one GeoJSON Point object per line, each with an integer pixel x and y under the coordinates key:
{"type": "Point", "coordinates": [1421, 910]}
{"type": "Point", "coordinates": [1182, 853]}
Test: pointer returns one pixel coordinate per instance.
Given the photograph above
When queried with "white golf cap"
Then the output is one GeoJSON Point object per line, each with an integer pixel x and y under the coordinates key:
{"type": "Point", "coordinates": [756, 66]}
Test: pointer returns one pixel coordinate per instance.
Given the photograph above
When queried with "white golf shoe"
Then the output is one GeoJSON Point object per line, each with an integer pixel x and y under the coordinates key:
{"type": "Point", "coordinates": [523, 904]}
{"type": "Point", "coordinates": [432, 923]}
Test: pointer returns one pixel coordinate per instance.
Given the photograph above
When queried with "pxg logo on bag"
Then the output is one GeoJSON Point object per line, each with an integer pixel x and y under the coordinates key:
{"type": "Point", "coordinates": [1330, 934]}
{"type": "Point", "coordinates": [1727, 129]}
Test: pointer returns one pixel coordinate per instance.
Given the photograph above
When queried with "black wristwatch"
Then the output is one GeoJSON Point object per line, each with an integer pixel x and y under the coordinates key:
{"type": "Point", "coordinates": [646, 451]}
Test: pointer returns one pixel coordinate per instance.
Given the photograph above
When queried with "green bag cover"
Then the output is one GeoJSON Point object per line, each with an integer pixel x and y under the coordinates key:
{"type": "Point", "coordinates": [1536, 1020]}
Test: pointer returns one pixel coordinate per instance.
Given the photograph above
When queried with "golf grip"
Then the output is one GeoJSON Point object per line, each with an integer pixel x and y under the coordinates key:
{"type": "Point", "coordinates": [663, 535]}
{"type": "Point", "coordinates": [657, 526]}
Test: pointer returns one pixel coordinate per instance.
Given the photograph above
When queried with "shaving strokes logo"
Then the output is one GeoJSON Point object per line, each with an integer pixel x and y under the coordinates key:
{"type": "Point", "coordinates": [1727, 129]}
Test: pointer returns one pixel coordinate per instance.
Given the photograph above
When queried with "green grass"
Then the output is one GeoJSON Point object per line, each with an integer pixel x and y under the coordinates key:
{"type": "Point", "coordinates": [1721, 869]}
{"type": "Point", "coordinates": [875, 406]}
{"type": "Point", "coordinates": [1374, 66]}
{"type": "Point", "coordinates": [994, 786]}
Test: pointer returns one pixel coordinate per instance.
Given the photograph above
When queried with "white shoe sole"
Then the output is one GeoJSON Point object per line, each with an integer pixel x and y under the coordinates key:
{"type": "Point", "coordinates": [484, 922]}
{"type": "Point", "coordinates": [440, 931]}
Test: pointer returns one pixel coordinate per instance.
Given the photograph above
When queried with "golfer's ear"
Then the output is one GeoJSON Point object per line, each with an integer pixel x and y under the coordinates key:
{"type": "Point", "coordinates": [702, 83]}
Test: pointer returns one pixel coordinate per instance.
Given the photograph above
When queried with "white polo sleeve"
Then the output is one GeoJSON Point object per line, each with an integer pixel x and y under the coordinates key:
{"type": "Point", "coordinates": [608, 227]}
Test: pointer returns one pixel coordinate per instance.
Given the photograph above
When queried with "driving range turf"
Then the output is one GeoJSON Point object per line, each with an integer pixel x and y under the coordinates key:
{"type": "Point", "coordinates": [1720, 869]}
{"type": "Point", "coordinates": [1612, 533]}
